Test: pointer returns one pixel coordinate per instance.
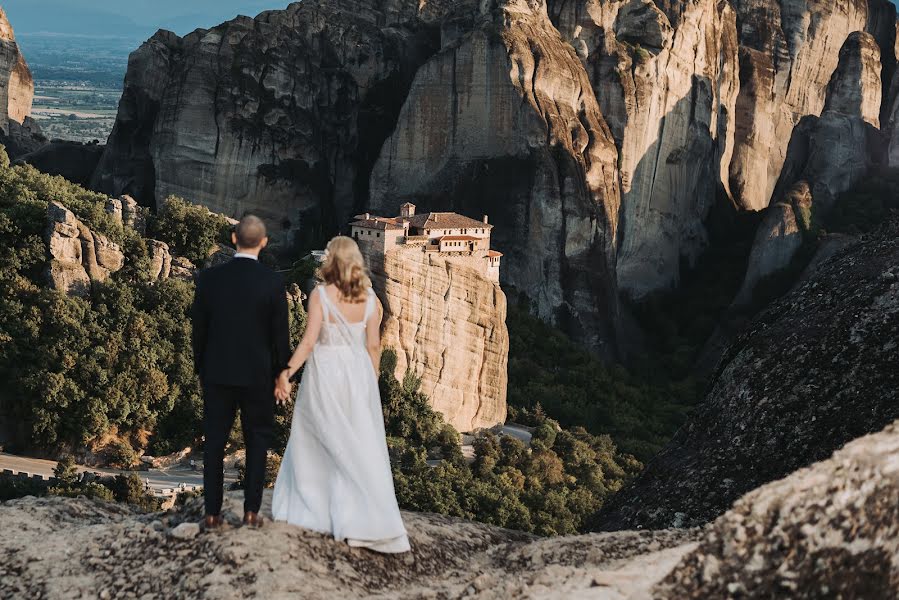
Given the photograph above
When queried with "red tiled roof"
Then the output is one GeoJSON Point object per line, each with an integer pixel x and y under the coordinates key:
{"type": "Point", "coordinates": [443, 220]}
{"type": "Point", "coordinates": [380, 223]}
{"type": "Point", "coordinates": [494, 254]}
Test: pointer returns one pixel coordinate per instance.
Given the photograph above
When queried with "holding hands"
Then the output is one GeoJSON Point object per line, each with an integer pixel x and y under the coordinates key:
{"type": "Point", "coordinates": [283, 387]}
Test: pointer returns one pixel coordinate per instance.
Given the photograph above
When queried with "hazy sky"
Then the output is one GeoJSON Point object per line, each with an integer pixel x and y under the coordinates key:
{"type": "Point", "coordinates": [127, 18]}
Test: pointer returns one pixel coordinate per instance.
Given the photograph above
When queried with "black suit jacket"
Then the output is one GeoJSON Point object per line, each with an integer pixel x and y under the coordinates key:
{"type": "Point", "coordinates": [240, 324]}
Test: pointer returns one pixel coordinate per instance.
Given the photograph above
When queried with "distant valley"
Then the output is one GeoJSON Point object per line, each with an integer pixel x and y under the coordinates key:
{"type": "Point", "coordinates": [79, 55]}
{"type": "Point", "coordinates": [78, 83]}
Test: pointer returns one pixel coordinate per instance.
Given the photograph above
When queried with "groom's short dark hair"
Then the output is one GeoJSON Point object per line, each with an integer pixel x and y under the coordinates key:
{"type": "Point", "coordinates": [250, 232]}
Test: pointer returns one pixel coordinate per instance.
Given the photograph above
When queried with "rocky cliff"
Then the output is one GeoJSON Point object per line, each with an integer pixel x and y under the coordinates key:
{"type": "Point", "coordinates": [64, 548]}
{"type": "Point", "coordinates": [815, 370]}
{"type": "Point", "coordinates": [447, 324]}
{"type": "Point", "coordinates": [503, 121]}
{"type": "Point", "coordinates": [79, 257]}
{"type": "Point", "coordinates": [826, 531]}
{"type": "Point", "coordinates": [788, 51]}
{"type": "Point", "coordinates": [666, 77]}
{"type": "Point", "coordinates": [598, 135]}
{"type": "Point", "coordinates": [829, 531]}
{"type": "Point", "coordinates": [16, 83]}
{"type": "Point", "coordinates": [19, 133]}
{"type": "Point", "coordinates": [279, 115]}
{"type": "Point", "coordinates": [826, 156]}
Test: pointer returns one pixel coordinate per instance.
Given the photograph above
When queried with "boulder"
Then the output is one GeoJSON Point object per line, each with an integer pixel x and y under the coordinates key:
{"type": "Point", "coordinates": [828, 531]}
{"type": "Point", "coordinates": [183, 269]}
{"type": "Point", "coordinates": [133, 215]}
{"type": "Point", "coordinates": [160, 259]}
{"type": "Point", "coordinates": [78, 256]}
{"type": "Point", "coordinates": [185, 531]}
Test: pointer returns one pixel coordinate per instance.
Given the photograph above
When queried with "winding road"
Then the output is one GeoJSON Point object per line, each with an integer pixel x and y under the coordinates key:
{"type": "Point", "coordinates": [160, 480]}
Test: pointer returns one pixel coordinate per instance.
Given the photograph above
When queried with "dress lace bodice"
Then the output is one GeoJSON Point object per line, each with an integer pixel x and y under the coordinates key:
{"type": "Point", "coordinates": [336, 330]}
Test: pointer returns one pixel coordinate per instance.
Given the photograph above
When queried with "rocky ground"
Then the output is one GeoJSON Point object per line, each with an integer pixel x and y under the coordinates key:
{"type": "Point", "coordinates": [77, 548]}
{"type": "Point", "coordinates": [828, 531]}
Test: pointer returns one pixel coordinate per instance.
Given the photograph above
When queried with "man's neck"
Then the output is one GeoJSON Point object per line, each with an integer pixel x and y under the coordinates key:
{"type": "Point", "coordinates": [245, 253]}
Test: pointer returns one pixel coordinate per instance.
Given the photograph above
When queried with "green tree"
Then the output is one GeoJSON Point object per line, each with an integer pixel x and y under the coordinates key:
{"type": "Point", "coordinates": [65, 472]}
{"type": "Point", "coordinates": [190, 230]}
{"type": "Point", "coordinates": [130, 489]}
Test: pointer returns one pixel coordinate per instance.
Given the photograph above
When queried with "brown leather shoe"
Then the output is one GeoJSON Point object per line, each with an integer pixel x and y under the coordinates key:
{"type": "Point", "coordinates": [252, 519]}
{"type": "Point", "coordinates": [213, 522]}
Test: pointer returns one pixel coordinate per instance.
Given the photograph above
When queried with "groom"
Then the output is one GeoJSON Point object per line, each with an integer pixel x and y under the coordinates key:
{"type": "Point", "coordinates": [241, 341]}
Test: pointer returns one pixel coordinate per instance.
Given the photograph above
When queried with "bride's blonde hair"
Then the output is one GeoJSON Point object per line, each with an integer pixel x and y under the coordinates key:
{"type": "Point", "coordinates": [345, 268]}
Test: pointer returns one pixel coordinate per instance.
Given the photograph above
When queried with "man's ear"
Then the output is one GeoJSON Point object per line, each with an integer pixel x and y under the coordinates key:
{"type": "Point", "coordinates": [234, 239]}
{"type": "Point", "coordinates": [264, 243]}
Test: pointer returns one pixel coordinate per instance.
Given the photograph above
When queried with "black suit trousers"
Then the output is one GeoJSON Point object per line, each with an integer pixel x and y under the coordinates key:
{"type": "Point", "coordinates": [257, 416]}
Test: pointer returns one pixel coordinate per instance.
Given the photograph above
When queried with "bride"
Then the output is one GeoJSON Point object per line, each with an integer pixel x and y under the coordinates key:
{"type": "Point", "coordinates": [335, 475]}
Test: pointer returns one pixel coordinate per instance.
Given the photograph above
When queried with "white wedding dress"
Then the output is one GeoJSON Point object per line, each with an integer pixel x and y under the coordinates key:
{"type": "Point", "coordinates": [335, 475]}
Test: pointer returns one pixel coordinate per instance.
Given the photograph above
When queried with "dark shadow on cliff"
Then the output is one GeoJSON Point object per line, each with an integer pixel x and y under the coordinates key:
{"type": "Point", "coordinates": [674, 324]}
{"type": "Point", "coordinates": [377, 116]}
{"type": "Point", "coordinates": [813, 371]}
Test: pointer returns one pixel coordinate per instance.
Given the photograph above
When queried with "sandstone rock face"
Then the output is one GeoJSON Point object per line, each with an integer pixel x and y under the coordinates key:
{"type": "Point", "coordinates": [831, 531]}
{"type": "Point", "coordinates": [833, 152]}
{"type": "Point", "coordinates": [163, 265]}
{"type": "Point", "coordinates": [126, 211]}
{"type": "Point", "coordinates": [16, 82]}
{"type": "Point", "coordinates": [78, 256]}
{"type": "Point", "coordinates": [503, 121]}
{"type": "Point", "coordinates": [778, 239]}
{"type": "Point", "coordinates": [814, 371]}
{"type": "Point", "coordinates": [825, 157]}
{"type": "Point", "coordinates": [126, 166]}
{"type": "Point", "coordinates": [447, 323]}
{"type": "Point", "coordinates": [160, 260]}
{"type": "Point", "coordinates": [667, 83]}
{"type": "Point", "coordinates": [788, 51]}
{"type": "Point", "coordinates": [281, 115]}
{"type": "Point", "coordinates": [19, 133]}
